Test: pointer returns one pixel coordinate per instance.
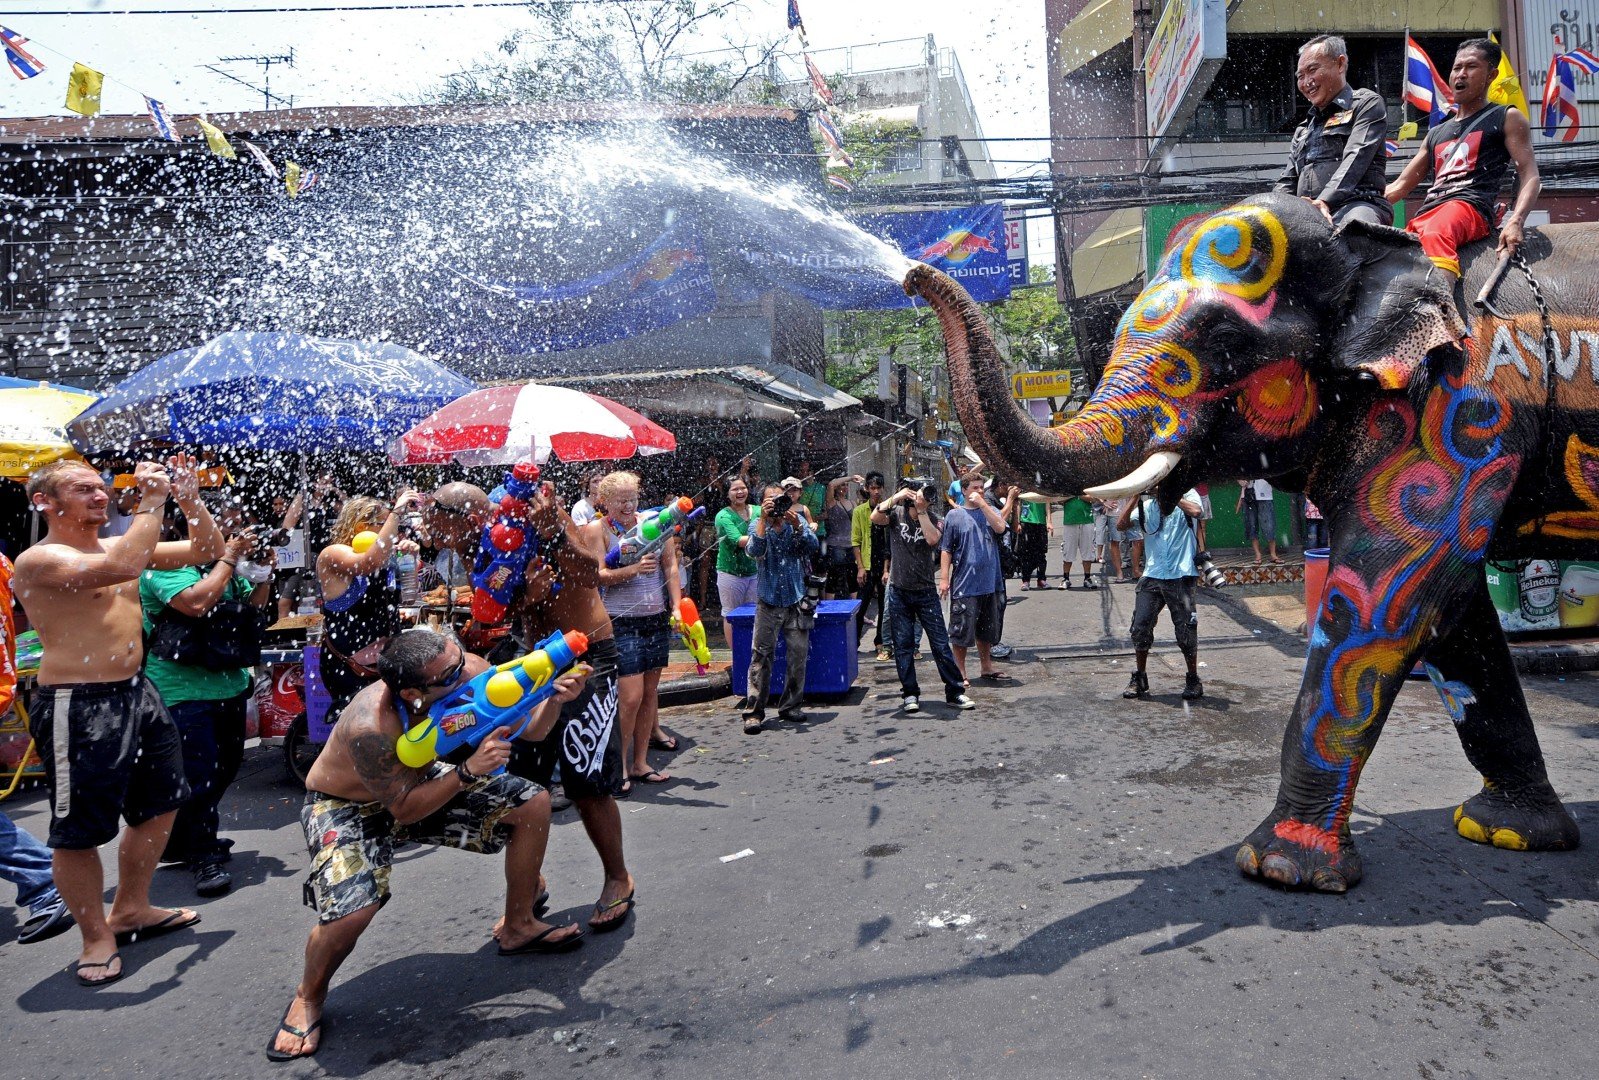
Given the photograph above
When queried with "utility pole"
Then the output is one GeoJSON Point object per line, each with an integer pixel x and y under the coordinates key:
{"type": "Point", "coordinates": [265, 64]}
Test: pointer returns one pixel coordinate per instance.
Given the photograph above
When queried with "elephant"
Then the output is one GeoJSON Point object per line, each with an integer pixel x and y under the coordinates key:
{"type": "Point", "coordinates": [1339, 363]}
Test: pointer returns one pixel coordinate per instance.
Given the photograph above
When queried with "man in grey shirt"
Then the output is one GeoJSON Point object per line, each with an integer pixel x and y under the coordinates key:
{"type": "Point", "coordinates": [1337, 160]}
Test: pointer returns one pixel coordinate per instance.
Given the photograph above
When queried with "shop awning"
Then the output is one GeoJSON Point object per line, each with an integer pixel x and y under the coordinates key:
{"type": "Point", "coordinates": [750, 391]}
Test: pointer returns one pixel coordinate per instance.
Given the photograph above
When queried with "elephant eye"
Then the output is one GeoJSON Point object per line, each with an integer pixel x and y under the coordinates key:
{"type": "Point", "coordinates": [1224, 342]}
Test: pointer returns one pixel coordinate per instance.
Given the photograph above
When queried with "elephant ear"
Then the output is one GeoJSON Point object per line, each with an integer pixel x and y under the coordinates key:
{"type": "Point", "coordinates": [1399, 307]}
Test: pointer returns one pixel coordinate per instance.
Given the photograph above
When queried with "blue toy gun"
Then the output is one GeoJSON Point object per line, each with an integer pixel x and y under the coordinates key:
{"type": "Point", "coordinates": [499, 697]}
{"type": "Point", "coordinates": [651, 532]}
{"type": "Point", "coordinates": [508, 545]}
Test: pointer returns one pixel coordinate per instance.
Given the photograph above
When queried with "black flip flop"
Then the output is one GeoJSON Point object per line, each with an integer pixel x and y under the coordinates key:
{"type": "Point", "coordinates": [541, 945]}
{"type": "Point", "coordinates": [644, 778]}
{"type": "Point", "coordinates": [171, 924]}
{"type": "Point", "coordinates": [613, 924]}
{"type": "Point", "coordinates": [274, 1054]}
{"type": "Point", "coordinates": [94, 984]}
{"type": "Point", "coordinates": [54, 920]}
{"type": "Point", "coordinates": [663, 744]}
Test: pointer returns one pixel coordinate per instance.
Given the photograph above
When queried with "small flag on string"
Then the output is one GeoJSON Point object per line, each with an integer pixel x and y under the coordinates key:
{"type": "Point", "coordinates": [839, 182]}
{"type": "Point", "coordinates": [161, 117]}
{"type": "Point", "coordinates": [794, 20]}
{"type": "Point", "coordinates": [1410, 130]}
{"type": "Point", "coordinates": [823, 92]}
{"type": "Point", "coordinates": [1389, 148]}
{"type": "Point", "coordinates": [261, 159]}
{"type": "Point", "coordinates": [24, 65]}
{"type": "Point", "coordinates": [215, 139]}
{"type": "Point", "coordinates": [297, 180]}
{"type": "Point", "coordinates": [831, 136]}
{"type": "Point", "coordinates": [83, 90]}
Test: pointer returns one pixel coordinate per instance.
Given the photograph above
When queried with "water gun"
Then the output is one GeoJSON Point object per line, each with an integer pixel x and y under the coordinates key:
{"type": "Point", "coordinates": [689, 627]}
{"type": "Point", "coordinates": [509, 543]}
{"type": "Point", "coordinates": [651, 532]}
{"type": "Point", "coordinates": [499, 697]}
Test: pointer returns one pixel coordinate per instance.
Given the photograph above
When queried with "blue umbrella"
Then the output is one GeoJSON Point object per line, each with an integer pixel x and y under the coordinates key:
{"type": "Point", "coordinates": [271, 391]}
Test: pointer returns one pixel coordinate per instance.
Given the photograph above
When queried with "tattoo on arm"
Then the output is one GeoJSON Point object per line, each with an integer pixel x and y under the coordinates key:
{"type": "Point", "coordinates": [378, 765]}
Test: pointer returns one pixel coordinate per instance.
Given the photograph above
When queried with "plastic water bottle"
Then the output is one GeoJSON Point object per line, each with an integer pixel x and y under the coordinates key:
{"type": "Point", "coordinates": [405, 565]}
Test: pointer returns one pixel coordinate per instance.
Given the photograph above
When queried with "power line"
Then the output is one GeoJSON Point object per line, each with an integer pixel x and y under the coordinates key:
{"type": "Point", "coordinates": [423, 5]}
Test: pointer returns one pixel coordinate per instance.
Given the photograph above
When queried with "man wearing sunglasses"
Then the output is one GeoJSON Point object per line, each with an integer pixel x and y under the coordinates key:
{"type": "Point", "coordinates": [361, 801]}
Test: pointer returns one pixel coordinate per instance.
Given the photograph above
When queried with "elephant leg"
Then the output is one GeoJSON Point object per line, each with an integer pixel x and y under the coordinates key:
{"type": "Point", "coordinates": [1470, 664]}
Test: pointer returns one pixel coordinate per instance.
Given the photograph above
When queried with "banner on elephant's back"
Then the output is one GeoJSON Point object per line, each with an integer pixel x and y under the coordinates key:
{"type": "Point", "coordinates": [967, 244]}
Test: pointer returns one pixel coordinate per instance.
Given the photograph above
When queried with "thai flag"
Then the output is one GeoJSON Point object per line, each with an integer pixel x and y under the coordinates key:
{"type": "Point", "coordinates": [830, 135]}
{"type": "Point", "coordinates": [1389, 148]}
{"type": "Point", "coordinates": [818, 83]}
{"type": "Point", "coordinates": [1424, 87]}
{"type": "Point", "coordinates": [1583, 60]}
{"type": "Point", "coordinates": [1560, 100]}
{"type": "Point", "coordinates": [23, 63]}
{"type": "Point", "coordinates": [840, 182]}
{"type": "Point", "coordinates": [161, 117]}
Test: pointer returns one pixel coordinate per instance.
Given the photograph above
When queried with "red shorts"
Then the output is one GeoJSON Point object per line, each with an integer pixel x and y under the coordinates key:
{"type": "Point", "coordinates": [1444, 228]}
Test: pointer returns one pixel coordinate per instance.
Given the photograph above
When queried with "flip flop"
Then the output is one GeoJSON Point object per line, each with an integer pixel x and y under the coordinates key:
{"type": "Point", "coordinates": [667, 744]}
{"type": "Point", "coordinates": [605, 909]}
{"type": "Point", "coordinates": [654, 776]}
{"type": "Point", "coordinates": [53, 920]}
{"type": "Point", "coordinates": [995, 676]}
{"type": "Point", "coordinates": [274, 1054]}
{"type": "Point", "coordinates": [79, 969]}
{"type": "Point", "coordinates": [541, 945]}
{"type": "Point", "coordinates": [172, 923]}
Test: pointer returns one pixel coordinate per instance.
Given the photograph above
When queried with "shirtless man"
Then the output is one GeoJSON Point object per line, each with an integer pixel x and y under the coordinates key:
{"type": "Point", "coordinates": [588, 741]}
{"type": "Point", "coordinates": [360, 801]}
{"type": "Point", "coordinates": [108, 745]}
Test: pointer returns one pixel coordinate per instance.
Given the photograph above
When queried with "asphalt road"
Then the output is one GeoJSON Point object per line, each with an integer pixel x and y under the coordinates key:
{"type": "Point", "coordinates": [1043, 887]}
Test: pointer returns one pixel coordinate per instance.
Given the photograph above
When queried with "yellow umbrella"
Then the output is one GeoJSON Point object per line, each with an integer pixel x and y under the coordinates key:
{"type": "Point", "coordinates": [33, 420]}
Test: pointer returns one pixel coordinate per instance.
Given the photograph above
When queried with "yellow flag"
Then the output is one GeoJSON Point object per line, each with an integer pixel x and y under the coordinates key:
{"type": "Point", "coordinates": [291, 178]}
{"type": "Point", "coordinates": [83, 90]}
{"type": "Point", "coordinates": [215, 139]}
{"type": "Point", "coordinates": [1409, 131]}
{"type": "Point", "coordinates": [1506, 87]}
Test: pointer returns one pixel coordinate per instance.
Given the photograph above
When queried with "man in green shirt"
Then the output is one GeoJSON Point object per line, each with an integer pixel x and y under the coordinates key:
{"type": "Point", "coordinates": [206, 705]}
{"type": "Point", "coordinates": [1033, 553]}
{"type": "Point", "coordinates": [813, 494]}
{"type": "Point", "coordinates": [1077, 540]}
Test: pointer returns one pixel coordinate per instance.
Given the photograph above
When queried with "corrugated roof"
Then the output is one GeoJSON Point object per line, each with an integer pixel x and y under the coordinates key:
{"type": "Point", "coordinates": [136, 127]}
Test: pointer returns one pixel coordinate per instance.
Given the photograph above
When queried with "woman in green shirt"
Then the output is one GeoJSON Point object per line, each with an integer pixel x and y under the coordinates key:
{"type": "Point", "coordinates": [206, 705]}
{"type": "Point", "coordinates": [735, 570]}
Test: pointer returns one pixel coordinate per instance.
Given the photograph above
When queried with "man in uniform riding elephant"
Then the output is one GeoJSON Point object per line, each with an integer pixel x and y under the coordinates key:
{"type": "Point", "coordinates": [1336, 362]}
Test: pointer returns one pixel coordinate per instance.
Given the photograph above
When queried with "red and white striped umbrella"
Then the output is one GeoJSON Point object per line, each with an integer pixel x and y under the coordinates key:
{"type": "Point", "coordinates": [502, 425]}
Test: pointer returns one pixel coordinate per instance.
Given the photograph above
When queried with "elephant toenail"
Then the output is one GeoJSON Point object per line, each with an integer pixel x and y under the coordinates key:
{"type": "Point", "coordinates": [1280, 869]}
{"type": "Point", "coordinates": [1328, 880]}
{"type": "Point", "coordinates": [1247, 860]}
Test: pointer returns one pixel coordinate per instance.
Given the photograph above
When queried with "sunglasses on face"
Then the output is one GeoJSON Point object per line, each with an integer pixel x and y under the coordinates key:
{"type": "Point", "coordinates": [450, 677]}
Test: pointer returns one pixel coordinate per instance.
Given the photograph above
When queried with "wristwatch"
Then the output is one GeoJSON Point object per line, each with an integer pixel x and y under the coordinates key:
{"type": "Point", "coordinates": [463, 774]}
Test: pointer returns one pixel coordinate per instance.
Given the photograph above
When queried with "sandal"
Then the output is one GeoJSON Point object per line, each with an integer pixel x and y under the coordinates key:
{"type": "Point", "coordinates": [272, 1051]}
{"type": "Point", "coordinates": [114, 958]}
{"type": "Point", "coordinates": [668, 744]}
{"type": "Point", "coordinates": [181, 919]}
{"type": "Point", "coordinates": [654, 776]}
{"type": "Point", "coordinates": [605, 909]}
{"type": "Point", "coordinates": [540, 944]}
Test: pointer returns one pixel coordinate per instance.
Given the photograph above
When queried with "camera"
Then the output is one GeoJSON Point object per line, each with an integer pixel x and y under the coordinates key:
{"type": "Point", "coordinates": [1207, 570]}
{"type": "Point", "coordinates": [814, 584]}
{"type": "Point", "coordinates": [782, 505]}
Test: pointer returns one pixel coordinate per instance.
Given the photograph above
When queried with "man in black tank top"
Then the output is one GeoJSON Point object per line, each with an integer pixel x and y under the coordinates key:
{"type": "Point", "coordinates": [1469, 155]}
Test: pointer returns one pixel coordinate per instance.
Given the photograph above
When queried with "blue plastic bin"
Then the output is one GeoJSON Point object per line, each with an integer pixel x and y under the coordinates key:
{"type": "Point", "coordinates": [833, 664]}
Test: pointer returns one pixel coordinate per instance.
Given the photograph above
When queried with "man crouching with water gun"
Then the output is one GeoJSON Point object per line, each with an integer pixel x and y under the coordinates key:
{"type": "Point", "coordinates": [361, 800]}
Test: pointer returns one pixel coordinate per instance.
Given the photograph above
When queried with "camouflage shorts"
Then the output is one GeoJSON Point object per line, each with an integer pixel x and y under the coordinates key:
{"type": "Point", "coordinates": [352, 843]}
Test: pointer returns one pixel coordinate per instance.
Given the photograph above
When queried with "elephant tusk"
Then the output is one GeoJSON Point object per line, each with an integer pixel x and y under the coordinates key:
{"type": "Point", "coordinates": [1156, 467]}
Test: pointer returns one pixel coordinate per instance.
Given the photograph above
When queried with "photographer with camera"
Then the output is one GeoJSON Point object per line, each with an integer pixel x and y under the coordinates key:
{"type": "Point", "coordinates": [914, 532]}
{"type": "Point", "coordinates": [781, 540]}
{"type": "Point", "coordinates": [203, 629]}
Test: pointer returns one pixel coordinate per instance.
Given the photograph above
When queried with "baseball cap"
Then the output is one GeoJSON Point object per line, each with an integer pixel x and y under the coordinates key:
{"type": "Point", "coordinates": [792, 481]}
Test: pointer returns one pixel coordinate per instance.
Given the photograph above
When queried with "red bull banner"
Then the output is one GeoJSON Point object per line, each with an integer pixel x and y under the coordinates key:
{"type": "Point", "coordinates": [967, 244]}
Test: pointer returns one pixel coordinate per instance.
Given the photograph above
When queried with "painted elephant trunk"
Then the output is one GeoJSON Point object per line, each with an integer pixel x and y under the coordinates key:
{"type": "Point", "coordinates": [1065, 460]}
